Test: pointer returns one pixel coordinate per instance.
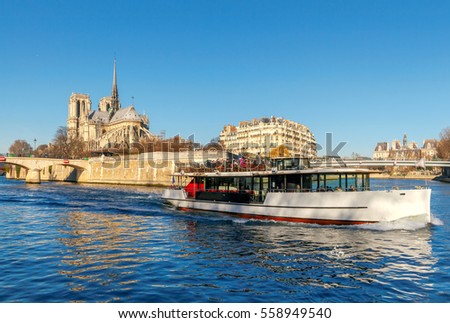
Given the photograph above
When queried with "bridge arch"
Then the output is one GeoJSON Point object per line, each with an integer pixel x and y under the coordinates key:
{"type": "Point", "coordinates": [50, 169]}
{"type": "Point", "coordinates": [16, 173]}
{"type": "Point", "coordinates": [16, 164]}
{"type": "Point", "coordinates": [73, 175]}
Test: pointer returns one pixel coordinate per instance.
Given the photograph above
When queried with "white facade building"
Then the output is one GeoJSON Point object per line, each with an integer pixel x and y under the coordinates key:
{"type": "Point", "coordinates": [265, 134]}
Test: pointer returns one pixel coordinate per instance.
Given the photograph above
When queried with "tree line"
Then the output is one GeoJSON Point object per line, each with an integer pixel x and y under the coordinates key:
{"type": "Point", "coordinates": [65, 146]}
{"type": "Point", "coordinates": [443, 148]}
{"type": "Point", "coordinates": [70, 147]}
{"type": "Point", "coordinates": [62, 146]}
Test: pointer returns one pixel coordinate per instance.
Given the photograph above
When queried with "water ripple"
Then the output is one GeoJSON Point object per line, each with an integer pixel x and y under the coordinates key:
{"type": "Point", "coordinates": [86, 243]}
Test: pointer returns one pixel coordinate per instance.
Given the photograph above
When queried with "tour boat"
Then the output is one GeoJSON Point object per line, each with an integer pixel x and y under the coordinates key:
{"type": "Point", "coordinates": [339, 196]}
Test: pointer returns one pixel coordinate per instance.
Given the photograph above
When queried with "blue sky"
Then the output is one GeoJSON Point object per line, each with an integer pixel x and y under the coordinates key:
{"type": "Point", "coordinates": [366, 71]}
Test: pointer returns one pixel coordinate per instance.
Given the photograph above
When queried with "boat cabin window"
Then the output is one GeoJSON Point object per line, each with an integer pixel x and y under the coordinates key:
{"type": "Point", "coordinates": [244, 183]}
{"type": "Point", "coordinates": [289, 163]}
{"type": "Point", "coordinates": [315, 182]}
{"type": "Point", "coordinates": [351, 182]}
{"type": "Point", "coordinates": [228, 183]}
{"type": "Point", "coordinates": [359, 181]}
{"type": "Point", "coordinates": [258, 186]}
{"type": "Point", "coordinates": [306, 183]}
{"type": "Point", "coordinates": [255, 187]}
{"type": "Point", "coordinates": [366, 181]}
{"type": "Point", "coordinates": [333, 182]}
{"type": "Point", "coordinates": [277, 183]}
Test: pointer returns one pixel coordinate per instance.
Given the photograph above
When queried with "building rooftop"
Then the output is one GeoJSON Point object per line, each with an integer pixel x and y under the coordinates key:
{"type": "Point", "coordinates": [99, 116]}
{"type": "Point", "coordinates": [129, 114]}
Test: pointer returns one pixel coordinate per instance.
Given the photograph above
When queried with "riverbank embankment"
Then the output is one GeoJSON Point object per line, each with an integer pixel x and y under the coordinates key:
{"type": "Point", "coordinates": [150, 169]}
{"type": "Point", "coordinates": [406, 176]}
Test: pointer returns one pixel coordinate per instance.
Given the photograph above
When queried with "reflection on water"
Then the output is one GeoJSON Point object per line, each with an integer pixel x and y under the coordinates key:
{"type": "Point", "coordinates": [99, 249]}
{"type": "Point", "coordinates": [109, 252]}
{"type": "Point", "coordinates": [327, 261]}
{"type": "Point", "coordinates": [75, 243]}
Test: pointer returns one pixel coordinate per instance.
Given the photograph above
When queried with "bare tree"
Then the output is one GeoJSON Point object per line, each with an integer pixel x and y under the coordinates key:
{"type": "Point", "coordinates": [65, 146]}
{"type": "Point", "coordinates": [443, 147]}
{"type": "Point", "coordinates": [41, 151]}
{"type": "Point", "coordinates": [20, 148]}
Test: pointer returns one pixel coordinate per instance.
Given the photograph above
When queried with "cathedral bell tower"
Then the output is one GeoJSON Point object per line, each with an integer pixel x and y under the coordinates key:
{"type": "Point", "coordinates": [79, 110]}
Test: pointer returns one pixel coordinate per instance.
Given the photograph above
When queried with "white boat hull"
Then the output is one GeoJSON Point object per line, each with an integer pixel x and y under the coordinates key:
{"type": "Point", "coordinates": [322, 208]}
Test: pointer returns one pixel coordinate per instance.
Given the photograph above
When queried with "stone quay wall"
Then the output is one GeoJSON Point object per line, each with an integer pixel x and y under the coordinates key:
{"type": "Point", "coordinates": [143, 169]}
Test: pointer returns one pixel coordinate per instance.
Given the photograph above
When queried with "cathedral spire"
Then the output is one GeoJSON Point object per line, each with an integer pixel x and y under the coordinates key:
{"type": "Point", "coordinates": [115, 103]}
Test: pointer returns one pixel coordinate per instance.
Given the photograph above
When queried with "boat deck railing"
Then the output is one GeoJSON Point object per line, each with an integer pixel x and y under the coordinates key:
{"type": "Point", "coordinates": [243, 165]}
{"type": "Point", "coordinates": [320, 190]}
{"type": "Point", "coordinates": [356, 189]}
{"type": "Point", "coordinates": [225, 167]}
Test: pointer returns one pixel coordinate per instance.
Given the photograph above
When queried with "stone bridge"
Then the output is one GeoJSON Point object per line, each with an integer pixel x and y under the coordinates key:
{"type": "Point", "coordinates": [138, 169]}
{"type": "Point", "coordinates": [33, 170]}
{"type": "Point", "coordinates": [335, 162]}
{"type": "Point", "coordinates": [370, 163]}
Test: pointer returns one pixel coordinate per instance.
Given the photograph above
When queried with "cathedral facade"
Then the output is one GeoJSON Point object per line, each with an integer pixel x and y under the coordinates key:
{"type": "Point", "coordinates": [110, 125]}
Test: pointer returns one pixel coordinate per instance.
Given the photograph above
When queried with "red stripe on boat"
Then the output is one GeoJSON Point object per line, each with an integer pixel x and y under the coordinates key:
{"type": "Point", "coordinates": [285, 219]}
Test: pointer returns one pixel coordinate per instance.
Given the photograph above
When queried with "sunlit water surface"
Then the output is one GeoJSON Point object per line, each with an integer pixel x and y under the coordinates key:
{"type": "Point", "coordinates": [92, 243]}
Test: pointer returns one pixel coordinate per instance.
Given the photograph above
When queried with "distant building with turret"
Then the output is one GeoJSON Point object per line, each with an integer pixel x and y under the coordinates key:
{"type": "Point", "coordinates": [110, 125]}
{"type": "Point", "coordinates": [402, 150]}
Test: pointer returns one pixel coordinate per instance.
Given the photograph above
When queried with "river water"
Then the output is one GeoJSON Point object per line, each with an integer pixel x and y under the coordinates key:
{"type": "Point", "coordinates": [65, 242]}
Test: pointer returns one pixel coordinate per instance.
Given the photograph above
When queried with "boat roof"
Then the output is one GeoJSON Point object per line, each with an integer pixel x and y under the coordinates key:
{"type": "Point", "coordinates": [337, 170]}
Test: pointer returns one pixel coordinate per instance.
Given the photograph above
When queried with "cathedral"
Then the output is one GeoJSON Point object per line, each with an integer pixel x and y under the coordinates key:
{"type": "Point", "coordinates": [108, 127]}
